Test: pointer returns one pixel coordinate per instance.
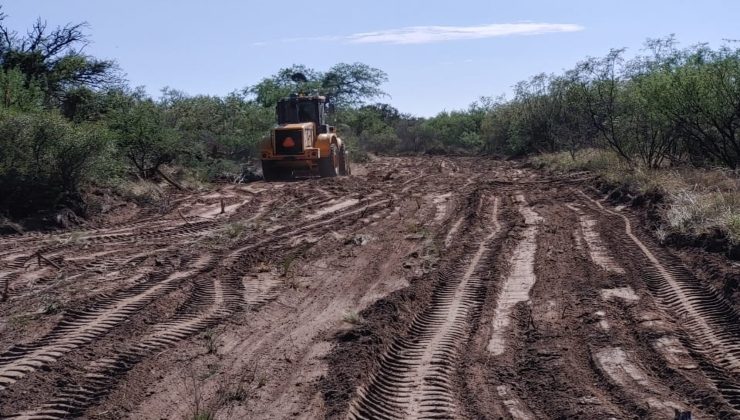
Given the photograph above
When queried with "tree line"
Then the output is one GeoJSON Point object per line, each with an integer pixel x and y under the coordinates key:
{"type": "Point", "coordinates": [667, 106]}
{"type": "Point", "coordinates": [69, 120]}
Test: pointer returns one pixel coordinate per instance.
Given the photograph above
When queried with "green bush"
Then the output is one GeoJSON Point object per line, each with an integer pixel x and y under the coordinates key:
{"type": "Point", "coordinates": [46, 159]}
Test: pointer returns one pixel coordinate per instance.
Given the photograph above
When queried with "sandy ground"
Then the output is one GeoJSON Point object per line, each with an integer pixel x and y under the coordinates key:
{"type": "Point", "coordinates": [416, 288]}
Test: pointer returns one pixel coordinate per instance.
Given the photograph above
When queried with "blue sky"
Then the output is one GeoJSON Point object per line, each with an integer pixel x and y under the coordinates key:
{"type": "Point", "coordinates": [438, 55]}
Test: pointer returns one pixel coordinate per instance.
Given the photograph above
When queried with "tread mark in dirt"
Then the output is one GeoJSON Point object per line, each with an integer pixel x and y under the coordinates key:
{"type": "Point", "coordinates": [101, 374]}
{"type": "Point", "coordinates": [520, 280]}
{"type": "Point", "coordinates": [597, 251]}
{"type": "Point", "coordinates": [84, 327]}
{"type": "Point", "coordinates": [453, 230]}
{"type": "Point", "coordinates": [226, 296]}
{"type": "Point", "coordinates": [408, 184]}
{"type": "Point", "coordinates": [413, 377]}
{"type": "Point", "coordinates": [713, 325]}
{"type": "Point", "coordinates": [615, 363]}
{"type": "Point", "coordinates": [513, 405]}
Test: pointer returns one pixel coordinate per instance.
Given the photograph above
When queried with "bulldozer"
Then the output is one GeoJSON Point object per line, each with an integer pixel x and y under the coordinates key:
{"type": "Point", "coordinates": [303, 143]}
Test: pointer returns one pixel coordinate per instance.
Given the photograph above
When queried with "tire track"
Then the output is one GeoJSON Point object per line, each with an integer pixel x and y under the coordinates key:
{"type": "Point", "coordinates": [713, 325]}
{"type": "Point", "coordinates": [81, 328]}
{"type": "Point", "coordinates": [519, 282]}
{"type": "Point", "coordinates": [616, 365]}
{"type": "Point", "coordinates": [339, 219]}
{"type": "Point", "coordinates": [413, 376]}
{"type": "Point", "coordinates": [597, 250]}
{"type": "Point", "coordinates": [213, 302]}
{"type": "Point", "coordinates": [101, 375]}
{"type": "Point", "coordinates": [106, 267]}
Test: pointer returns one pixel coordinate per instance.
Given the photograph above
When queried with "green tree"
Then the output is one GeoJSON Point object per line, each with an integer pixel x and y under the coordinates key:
{"type": "Point", "coordinates": [600, 82]}
{"type": "Point", "coordinates": [496, 127]}
{"type": "Point", "coordinates": [54, 59]}
{"type": "Point", "coordinates": [212, 128]}
{"type": "Point", "coordinates": [17, 93]}
{"type": "Point", "coordinates": [704, 102]}
{"type": "Point", "coordinates": [271, 89]}
{"type": "Point", "coordinates": [345, 85]}
{"type": "Point", "coordinates": [352, 84]}
{"type": "Point", "coordinates": [144, 139]}
{"type": "Point", "coordinates": [46, 159]}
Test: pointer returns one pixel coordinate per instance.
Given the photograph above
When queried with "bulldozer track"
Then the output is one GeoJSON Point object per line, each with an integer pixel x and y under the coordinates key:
{"type": "Point", "coordinates": [81, 328]}
{"type": "Point", "coordinates": [413, 376]}
{"type": "Point", "coordinates": [215, 297]}
{"type": "Point", "coordinates": [517, 286]}
{"type": "Point", "coordinates": [713, 325]}
{"type": "Point", "coordinates": [371, 296]}
{"type": "Point", "coordinates": [218, 302]}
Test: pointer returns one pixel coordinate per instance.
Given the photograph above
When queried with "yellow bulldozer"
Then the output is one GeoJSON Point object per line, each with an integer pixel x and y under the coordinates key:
{"type": "Point", "coordinates": [303, 143]}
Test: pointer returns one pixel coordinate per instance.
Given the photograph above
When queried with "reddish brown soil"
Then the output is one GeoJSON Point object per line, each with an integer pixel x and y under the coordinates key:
{"type": "Point", "coordinates": [418, 287]}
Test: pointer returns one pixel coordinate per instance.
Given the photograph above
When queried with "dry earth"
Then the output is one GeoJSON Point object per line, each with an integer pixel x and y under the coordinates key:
{"type": "Point", "coordinates": [417, 288]}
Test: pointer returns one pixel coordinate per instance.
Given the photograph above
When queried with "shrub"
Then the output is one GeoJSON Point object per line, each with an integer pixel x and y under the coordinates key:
{"type": "Point", "coordinates": [47, 159]}
{"type": "Point", "coordinates": [698, 201]}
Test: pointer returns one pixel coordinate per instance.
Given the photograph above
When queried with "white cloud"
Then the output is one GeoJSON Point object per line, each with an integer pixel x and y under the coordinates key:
{"type": "Point", "coordinates": [431, 34]}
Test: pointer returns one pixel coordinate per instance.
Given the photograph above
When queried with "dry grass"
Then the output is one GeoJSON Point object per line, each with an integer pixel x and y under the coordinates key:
{"type": "Point", "coordinates": [187, 178]}
{"type": "Point", "coordinates": [352, 317]}
{"type": "Point", "coordinates": [234, 231]}
{"type": "Point", "coordinates": [228, 235]}
{"type": "Point", "coordinates": [585, 160]}
{"type": "Point", "coordinates": [697, 200]}
{"type": "Point", "coordinates": [696, 212]}
{"type": "Point", "coordinates": [141, 192]}
{"type": "Point", "coordinates": [210, 338]}
{"type": "Point", "coordinates": [232, 389]}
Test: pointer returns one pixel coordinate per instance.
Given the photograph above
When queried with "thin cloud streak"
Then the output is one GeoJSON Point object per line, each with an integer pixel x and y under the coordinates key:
{"type": "Point", "coordinates": [432, 34]}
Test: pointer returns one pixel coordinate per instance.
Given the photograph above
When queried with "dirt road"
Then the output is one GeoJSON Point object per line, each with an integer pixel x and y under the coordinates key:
{"type": "Point", "coordinates": [417, 288]}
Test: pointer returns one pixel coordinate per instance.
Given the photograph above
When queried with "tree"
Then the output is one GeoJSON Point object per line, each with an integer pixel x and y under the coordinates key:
{"type": "Point", "coordinates": [346, 85]}
{"type": "Point", "coordinates": [144, 138]}
{"type": "Point", "coordinates": [654, 133]}
{"type": "Point", "coordinates": [46, 159]}
{"type": "Point", "coordinates": [704, 101]}
{"type": "Point", "coordinates": [17, 94]}
{"type": "Point", "coordinates": [271, 89]}
{"type": "Point", "coordinates": [456, 131]}
{"type": "Point", "coordinates": [600, 82]}
{"type": "Point", "coordinates": [215, 127]}
{"type": "Point", "coordinates": [496, 127]}
{"type": "Point", "coordinates": [352, 84]}
{"type": "Point", "coordinates": [54, 59]}
{"type": "Point", "coordinates": [540, 102]}
{"type": "Point", "coordinates": [372, 126]}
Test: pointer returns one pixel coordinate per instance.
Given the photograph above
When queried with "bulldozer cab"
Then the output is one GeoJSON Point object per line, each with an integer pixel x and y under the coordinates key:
{"type": "Point", "coordinates": [300, 109]}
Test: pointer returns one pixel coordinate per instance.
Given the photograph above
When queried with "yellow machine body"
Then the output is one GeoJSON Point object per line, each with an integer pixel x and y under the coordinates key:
{"type": "Point", "coordinates": [301, 143]}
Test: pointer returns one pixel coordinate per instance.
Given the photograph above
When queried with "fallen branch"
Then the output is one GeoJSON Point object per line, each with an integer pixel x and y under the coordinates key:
{"type": "Point", "coordinates": [183, 217]}
{"type": "Point", "coordinates": [13, 226]}
{"type": "Point", "coordinates": [170, 181]}
{"type": "Point", "coordinates": [48, 261]}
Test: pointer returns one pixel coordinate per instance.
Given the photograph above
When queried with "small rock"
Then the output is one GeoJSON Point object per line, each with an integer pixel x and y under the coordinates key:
{"type": "Point", "coordinates": [359, 240]}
